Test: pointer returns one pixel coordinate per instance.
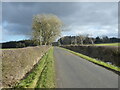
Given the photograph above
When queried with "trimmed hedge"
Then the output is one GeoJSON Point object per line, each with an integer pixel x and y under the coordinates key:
{"type": "Point", "coordinates": [109, 54]}
{"type": "Point", "coordinates": [16, 63]}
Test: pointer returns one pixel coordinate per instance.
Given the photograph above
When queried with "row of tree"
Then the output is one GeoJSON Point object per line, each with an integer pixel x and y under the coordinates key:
{"type": "Point", "coordinates": [85, 39]}
{"type": "Point", "coordinates": [19, 44]}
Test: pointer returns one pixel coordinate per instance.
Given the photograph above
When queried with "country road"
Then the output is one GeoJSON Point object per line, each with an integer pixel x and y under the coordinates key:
{"type": "Point", "coordinates": [75, 72]}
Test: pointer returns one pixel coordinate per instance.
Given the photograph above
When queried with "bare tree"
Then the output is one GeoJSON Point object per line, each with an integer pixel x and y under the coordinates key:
{"type": "Point", "coordinates": [46, 28]}
{"type": "Point", "coordinates": [81, 38]}
{"type": "Point", "coordinates": [92, 40]}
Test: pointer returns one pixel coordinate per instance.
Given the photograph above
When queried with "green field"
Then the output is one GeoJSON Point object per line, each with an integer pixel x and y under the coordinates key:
{"type": "Point", "coordinates": [108, 44]}
{"type": "Point", "coordinates": [42, 75]}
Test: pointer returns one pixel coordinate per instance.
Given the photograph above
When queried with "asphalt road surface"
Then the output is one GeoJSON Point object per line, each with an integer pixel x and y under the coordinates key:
{"type": "Point", "coordinates": [75, 72]}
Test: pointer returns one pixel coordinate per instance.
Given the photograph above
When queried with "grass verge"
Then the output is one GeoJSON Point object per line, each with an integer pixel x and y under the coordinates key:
{"type": "Point", "coordinates": [42, 76]}
{"type": "Point", "coordinates": [95, 61]}
{"type": "Point", "coordinates": [46, 80]}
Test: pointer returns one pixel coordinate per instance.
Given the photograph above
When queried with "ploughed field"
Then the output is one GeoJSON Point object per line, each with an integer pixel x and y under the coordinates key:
{"type": "Point", "coordinates": [17, 62]}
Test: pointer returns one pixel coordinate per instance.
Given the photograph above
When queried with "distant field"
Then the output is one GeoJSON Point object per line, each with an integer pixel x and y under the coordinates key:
{"type": "Point", "coordinates": [108, 44]}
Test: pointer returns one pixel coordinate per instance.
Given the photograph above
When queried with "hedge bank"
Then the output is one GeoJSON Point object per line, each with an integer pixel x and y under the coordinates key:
{"type": "Point", "coordinates": [110, 54]}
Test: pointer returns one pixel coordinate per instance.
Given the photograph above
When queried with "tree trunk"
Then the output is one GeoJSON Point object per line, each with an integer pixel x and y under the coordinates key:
{"type": "Point", "coordinates": [81, 42]}
{"type": "Point", "coordinates": [92, 41]}
{"type": "Point", "coordinates": [45, 43]}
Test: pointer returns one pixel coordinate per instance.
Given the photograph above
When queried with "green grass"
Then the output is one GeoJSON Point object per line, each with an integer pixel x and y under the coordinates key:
{"type": "Point", "coordinates": [108, 44]}
{"type": "Point", "coordinates": [42, 75]}
{"type": "Point", "coordinates": [46, 80]}
{"type": "Point", "coordinates": [95, 61]}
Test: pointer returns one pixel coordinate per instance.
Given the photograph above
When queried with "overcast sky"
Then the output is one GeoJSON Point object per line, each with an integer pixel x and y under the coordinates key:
{"type": "Point", "coordinates": [91, 18]}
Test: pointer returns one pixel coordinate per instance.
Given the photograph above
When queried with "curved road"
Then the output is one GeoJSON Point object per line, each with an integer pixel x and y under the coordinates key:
{"type": "Point", "coordinates": [75, 72]}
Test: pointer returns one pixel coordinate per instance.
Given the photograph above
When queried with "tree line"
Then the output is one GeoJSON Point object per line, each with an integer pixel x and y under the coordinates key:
{"type": "Point", "coordinates": [18, 44]}
{"type": "Point", "coordinates": [85, 39]}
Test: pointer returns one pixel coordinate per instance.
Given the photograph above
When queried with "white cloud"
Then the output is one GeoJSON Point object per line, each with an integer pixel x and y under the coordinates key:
{"type": "Point", "coordinates": [94, 31]}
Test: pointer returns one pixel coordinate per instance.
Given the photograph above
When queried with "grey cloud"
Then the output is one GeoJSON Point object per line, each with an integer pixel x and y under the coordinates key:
{"type": "Point", "coordinates": [17, 29]}
{"type": "Point", "coordinates": [17, 12]}
{"type": "Point", "coordinates": [96, 13]}
{"type": "Point", "coordinates": [19, 15]}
